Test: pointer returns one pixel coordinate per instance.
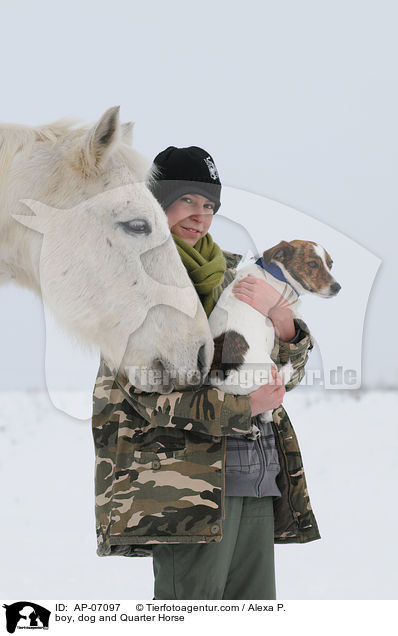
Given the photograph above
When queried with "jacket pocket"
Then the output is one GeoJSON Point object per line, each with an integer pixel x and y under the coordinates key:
{"type": "Point", "coordinates": [157, 456]}
{"type": "Point", "coordinates": [160, 439]}
{"type": "Point", "coordinates": [166, 493]}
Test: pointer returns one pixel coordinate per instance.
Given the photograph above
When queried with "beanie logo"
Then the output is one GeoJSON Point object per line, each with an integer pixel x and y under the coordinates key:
{"type": "Point", "coordinates": [212, 168]}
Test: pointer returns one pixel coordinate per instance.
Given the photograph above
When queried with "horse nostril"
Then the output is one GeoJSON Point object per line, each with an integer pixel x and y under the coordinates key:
{"type": "Point", "coordinates": [201, 358]}
{"type": "Point", "coordinates": [335, 287]}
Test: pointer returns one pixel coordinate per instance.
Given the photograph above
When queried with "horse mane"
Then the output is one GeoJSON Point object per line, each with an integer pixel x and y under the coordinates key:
{"type": "Point", "coordinates": [16, 138]}
{"type": "Point", "coordinates": [20, 138]}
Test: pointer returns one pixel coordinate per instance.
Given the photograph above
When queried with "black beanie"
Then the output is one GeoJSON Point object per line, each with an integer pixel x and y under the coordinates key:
{"type": "Point", "coordinates": [185, 171]}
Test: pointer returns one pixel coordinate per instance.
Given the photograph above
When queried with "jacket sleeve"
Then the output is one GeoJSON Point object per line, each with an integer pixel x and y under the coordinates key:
{"type": "Point", "coordinates": [204, 410]}
{"type": "Point", "coordinates": [296, 349]}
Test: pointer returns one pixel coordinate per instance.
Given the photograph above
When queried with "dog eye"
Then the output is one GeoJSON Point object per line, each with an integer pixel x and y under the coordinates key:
{"type": "Point", "coordinates": [135, 226]}
{"type": "Point", "coordinates": [312, 264]}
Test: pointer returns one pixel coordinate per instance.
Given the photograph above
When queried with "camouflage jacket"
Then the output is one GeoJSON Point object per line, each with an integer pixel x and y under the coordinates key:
{"type": "Point", "coordinates": [160, 459]}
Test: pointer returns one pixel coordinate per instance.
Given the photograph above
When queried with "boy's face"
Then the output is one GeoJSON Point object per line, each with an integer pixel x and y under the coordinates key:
{"type": "Point", "coordinates": [190, 217]}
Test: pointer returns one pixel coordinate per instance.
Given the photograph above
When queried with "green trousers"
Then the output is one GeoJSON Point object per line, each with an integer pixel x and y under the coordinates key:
{"type": "Point", "coordinates": [240, 566]}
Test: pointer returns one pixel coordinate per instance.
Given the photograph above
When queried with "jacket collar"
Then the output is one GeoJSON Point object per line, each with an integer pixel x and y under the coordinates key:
{"type": "Point", "coordinates": [232, 259]}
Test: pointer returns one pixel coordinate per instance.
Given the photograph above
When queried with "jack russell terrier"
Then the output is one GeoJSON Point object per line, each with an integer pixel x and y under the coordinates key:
{"type": "Point", "coordinates": [243, 337]}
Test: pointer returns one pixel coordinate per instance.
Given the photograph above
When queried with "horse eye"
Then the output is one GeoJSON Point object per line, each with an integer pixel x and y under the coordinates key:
{"type": "Point", "coordinates": [136, 226]}
{"type": "Point", "coordinates": [312, 264]}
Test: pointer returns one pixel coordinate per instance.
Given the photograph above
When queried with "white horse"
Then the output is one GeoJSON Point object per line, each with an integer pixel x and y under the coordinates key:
{"type": "Point", "coordinates": [107, 265]}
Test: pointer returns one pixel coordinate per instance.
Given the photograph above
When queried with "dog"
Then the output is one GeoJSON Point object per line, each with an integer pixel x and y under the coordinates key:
{"type": "Point", "coordinates": [243, 337]}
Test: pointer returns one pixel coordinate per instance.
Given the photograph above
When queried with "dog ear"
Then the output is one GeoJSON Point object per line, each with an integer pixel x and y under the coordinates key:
{"type": "Point", "coordinates": [279, 252]}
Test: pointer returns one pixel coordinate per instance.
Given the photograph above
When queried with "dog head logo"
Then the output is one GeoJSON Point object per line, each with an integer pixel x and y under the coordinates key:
{"type": "Point", "coordinates": [26, 615]}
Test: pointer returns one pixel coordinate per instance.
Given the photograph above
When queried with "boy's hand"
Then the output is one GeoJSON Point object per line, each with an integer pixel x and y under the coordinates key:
{"type": "Point", "coordinates": [259, 294]}
{"type": "Point", "coordinates": [263, 297]}
{"type": "Point", "coordinates": [269, 396]}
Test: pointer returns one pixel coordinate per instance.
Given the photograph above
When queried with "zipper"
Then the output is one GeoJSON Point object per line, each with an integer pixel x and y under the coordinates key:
{"type": "Point", "coordinates": [262, 454]}
{"type": "Point", "coordinates": [224, 445]}
{"type": "Point", "coordinates": [282, 453]}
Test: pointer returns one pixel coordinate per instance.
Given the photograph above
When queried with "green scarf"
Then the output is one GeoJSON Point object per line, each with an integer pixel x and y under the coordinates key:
{"type": "Point", "coordinates": [205, 264]}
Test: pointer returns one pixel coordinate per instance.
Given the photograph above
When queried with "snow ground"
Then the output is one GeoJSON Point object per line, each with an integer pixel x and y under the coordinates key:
{"type": "Point", "coordinates": [349, 444]}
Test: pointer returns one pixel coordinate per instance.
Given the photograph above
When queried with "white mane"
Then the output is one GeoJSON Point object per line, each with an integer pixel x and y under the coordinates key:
{"type": "Point", "coordinates": [20, 138]}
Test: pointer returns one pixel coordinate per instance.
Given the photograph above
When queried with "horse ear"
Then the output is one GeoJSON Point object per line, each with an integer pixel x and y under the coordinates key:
{"type": "Point", "coordinates": [101, 140]}
{"type": "Point", "coordinates": [127, 132]}
{"type": "Point", "coordinates": [278, 252]}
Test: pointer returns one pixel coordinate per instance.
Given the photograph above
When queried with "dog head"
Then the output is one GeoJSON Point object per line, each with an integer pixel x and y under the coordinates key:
{"type": "Point", "coordinates": [305, 265]}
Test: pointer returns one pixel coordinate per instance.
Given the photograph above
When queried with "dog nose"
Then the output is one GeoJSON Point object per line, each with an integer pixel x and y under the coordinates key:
{"type": "Point", "coordinates": [335, 288]}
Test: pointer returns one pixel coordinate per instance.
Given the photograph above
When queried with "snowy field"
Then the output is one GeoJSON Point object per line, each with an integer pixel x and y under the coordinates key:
{"type": "Point", "coordinates": [349, 444]}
